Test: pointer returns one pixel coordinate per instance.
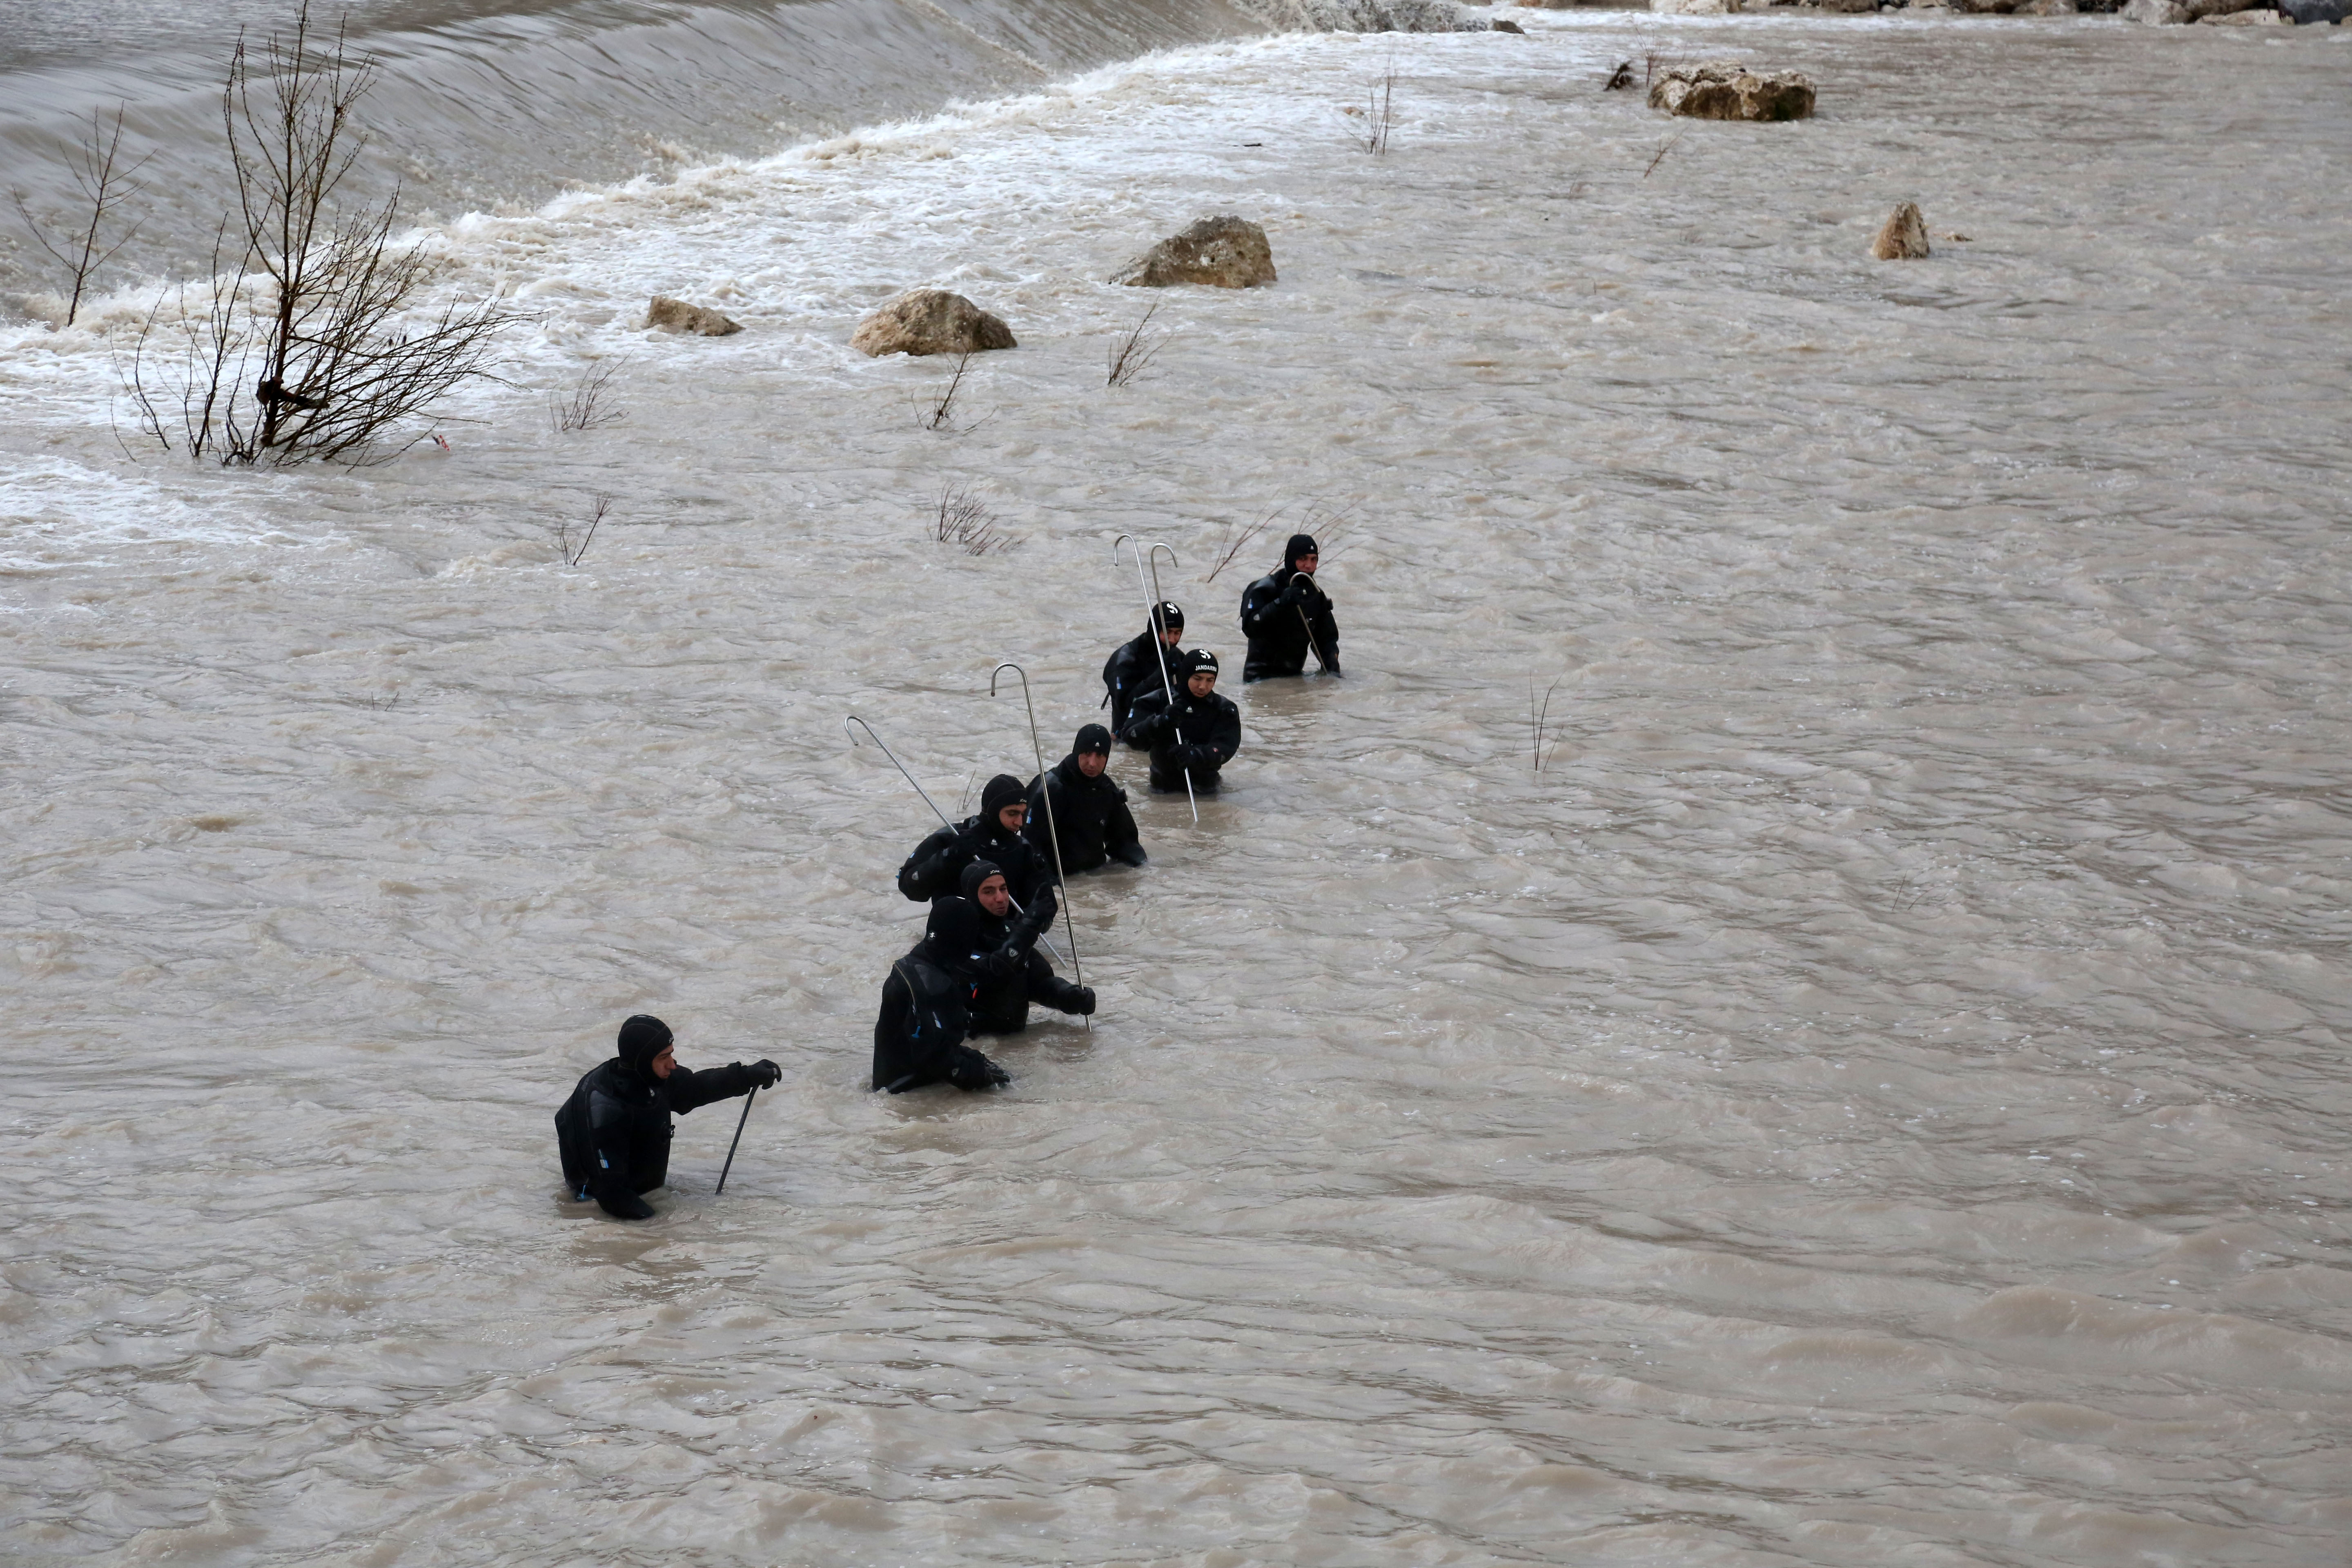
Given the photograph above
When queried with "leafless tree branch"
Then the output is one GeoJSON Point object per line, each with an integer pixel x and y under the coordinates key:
{"type": "Point", "coordinates": [105, 185]}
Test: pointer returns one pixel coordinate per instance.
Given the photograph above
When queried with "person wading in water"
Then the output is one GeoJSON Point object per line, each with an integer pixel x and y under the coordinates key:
{"type": "Point", "coordinates": [1286, 616]}
{"type": "Point", "coordinates": [613, 1133]}
{"type": "Point", "coordinates": [932, 870]}
{"type": "Point", "coordinates": [1198, 735]}
{"type": "Point", "coordinates": [1134, 668]}
{"type": "Point", "coordinates": [1087, 807]}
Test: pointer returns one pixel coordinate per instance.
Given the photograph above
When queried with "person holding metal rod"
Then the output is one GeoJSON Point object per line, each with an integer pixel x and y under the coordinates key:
{"type": "Point", "coordinates": [613, 1136]}
{"type": "Point", "coordinates": [1192, 734]}
{"type": "Point", "coordinates": [993, 833]}
{"type": "Point", "coordinates": [1286, 615]}
{"type": "Point", "coordinates": [1137, 666]}
{"type": "Point", "coordinates": [1079, 801]}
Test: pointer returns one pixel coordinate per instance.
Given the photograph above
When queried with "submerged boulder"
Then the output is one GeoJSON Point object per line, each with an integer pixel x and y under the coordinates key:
{"type": "Point", "coordinates": [1728, 90]}
{"type": "Point", "coordinates": [677, 316]}
{"type": "Point", "coordinates": [1226, 252]}
{"type": "Point", "coordinates": [2244, 19]}
{"type": "Point", "coordinates": [930, 322]}
{"type": "Point", "coordinates": [2312, 13]}
{"type": "Point", "coordinates": [2156, 12]}
{"type": "Point", "coordinates": [2048, 8]}
{"type": "Point", "coordinates": [1903, 237]}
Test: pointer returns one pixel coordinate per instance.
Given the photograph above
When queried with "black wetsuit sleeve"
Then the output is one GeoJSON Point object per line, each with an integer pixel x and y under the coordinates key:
{"type": "Point", "coordinates": [932, 868]}
{"type": "Point", "coordinates": [1224, 732]}
{"type": "Point", "coordinates": [1146, 719]}
{"type": "Point", "coordinates": [1119, 827]}
{"type": "Point", "coordinates": [686, 1091]}
{"type": "Point", "coordinates": [1325, 627]}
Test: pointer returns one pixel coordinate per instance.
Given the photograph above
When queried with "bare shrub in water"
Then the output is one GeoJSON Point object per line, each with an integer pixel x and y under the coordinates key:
{"type": "Point", "coordinates": [1242, 538]}
{"type": "Point", "coordinates": [564, 529]}
{"type": "Point", "coordinates": [585, 408]}
{"type": "Point", "coordinates": [1133, 355]}
{"type": "Point", "coordinates": [1538, 717]}
{"type": "Point", "coordinates": [105, 185]}
{"type": "Point", "coordinates": [961, 518]}
{"type": "Point", "coordinates": [302, 345]}
{"type": "Point", "coordinates": [940, 415]}
{"type": "Point", "coordinates": [1379, 113]}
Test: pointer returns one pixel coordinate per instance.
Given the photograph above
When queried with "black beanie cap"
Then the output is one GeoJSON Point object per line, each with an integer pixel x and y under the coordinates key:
{"type": "Point", "coordinates": [1093, 738]}
{"type": "Point", "coordinates": [1168, 614]}
{"type": "Point", "coordinates": [1200, 659]}
{"type": "Point", "coordinates": [1003, 790]}
{"type": "Point", "coordinates": [1301, 544]}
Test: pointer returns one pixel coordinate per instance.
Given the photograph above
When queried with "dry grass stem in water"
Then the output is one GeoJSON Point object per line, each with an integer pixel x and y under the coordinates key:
{"type": "Point", "coordinates": [313, 339]}
{"type": "Point", "coordinates": [1134, 353]}
{"type": "Point", "coordinates": [961, 518]}
{"type": "Point", "coordinates": [1225, 556]}
{"type": "Point", "coordinates": [940, 415]}
{"type": "Point", "coordinates": [1662, 156]}
{"type": "Point", "coordinates": [563, 532]}
{"type": "Point", "coordinates": [105, 185]}
{"type": "Point", "coordinates": [1537, 718]}
{"type": "Point", "coordinates": [586, 409]}
{"type": "Point", "coordinates": [1379, 113]}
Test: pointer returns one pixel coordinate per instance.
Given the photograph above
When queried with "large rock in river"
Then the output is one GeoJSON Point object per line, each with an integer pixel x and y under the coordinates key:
{"type": "Point", "coordinates": [677, 316]}
{"type": "Point", "coordinates": [2156, 12]}
{"type": "Point", "coordinates": [1903, 237]}
{"type": "Point", "coordinates": [930, 322]}
{"type": "Point", "coordinates": [1222, 252]}
{"type": "Point", "coordinates": [1727, 89]}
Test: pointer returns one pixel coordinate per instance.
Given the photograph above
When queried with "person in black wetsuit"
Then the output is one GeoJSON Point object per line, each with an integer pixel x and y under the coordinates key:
{"type": "Point", "coordinates": [1134, 668]}
{"type": "Point", "coordinates": [1198, 736]}
{"type": "Point", "coordinates": [920, 1033]}
{"type": "Point", "coordinates": [976, 937]}
{"type": "Point", "coordinates": [1085, 806]}
{"type": "Point", "coordinates": [931, 871]}
{"type": "Point", "coordinates": [1285, 616]}
{"type": "Point", "coordinates": [613, 1133]}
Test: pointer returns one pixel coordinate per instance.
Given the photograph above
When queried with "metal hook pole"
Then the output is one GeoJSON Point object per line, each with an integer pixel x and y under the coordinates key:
{"type": "Point", "coordinates": [1053, 830]}
{"type": "Point", "coordinates": [1152, 600]}
{"type": "Point", "coordinates": [862, 724]}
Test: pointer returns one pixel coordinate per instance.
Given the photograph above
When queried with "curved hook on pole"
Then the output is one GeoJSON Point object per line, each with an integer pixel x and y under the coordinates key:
{"type": "Point", "coordinates": [1053, 828]}
{"type": "Point", "coordinates": [853, 719]}
{"type": "Point", "coordinates": [1156, 597]}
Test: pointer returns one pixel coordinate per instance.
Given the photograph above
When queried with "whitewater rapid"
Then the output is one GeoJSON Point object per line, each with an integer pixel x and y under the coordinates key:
{"type": "Point", "coordinates": [1876, 1096]}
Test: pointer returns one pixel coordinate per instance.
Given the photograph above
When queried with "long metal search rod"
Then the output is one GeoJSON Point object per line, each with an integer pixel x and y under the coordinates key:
{"type": "Point", "coordinates": [862, 724]}
{"type": "Point", "coordinates": [1151, 602]}
{"type": "Point", "coordinates": [1053, 830]}
{"type": "Point", "coordinates": [747, 1098]}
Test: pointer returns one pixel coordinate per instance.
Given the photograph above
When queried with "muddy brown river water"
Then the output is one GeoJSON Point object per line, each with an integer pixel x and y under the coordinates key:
{"type": "Point", "coordinates": [1876, 1096]}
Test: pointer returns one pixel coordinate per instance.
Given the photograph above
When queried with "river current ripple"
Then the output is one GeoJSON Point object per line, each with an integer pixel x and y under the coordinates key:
{"type": "Point", "coordinates": [1875, 1097]}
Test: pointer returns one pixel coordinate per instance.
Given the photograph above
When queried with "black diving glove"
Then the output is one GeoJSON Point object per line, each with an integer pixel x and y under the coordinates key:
{"type": "Point", "coordinates": [969, 1070]}
{"type": "Point", "coordinates": [1085, 998]}
{"type": "Point", "coordinates": [766, 1074]}
{"type": "Point", "coordinates": [1040, 912]}
{"type": "Point", "coordinates": [1147, 730]}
